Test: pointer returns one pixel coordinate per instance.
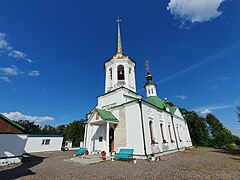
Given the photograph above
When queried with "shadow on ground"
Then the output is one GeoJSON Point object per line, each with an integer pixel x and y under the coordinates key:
{"type": "Point", "coordinates": [21, 170]}
{"type": "Point", "coordinates": [235, 152]}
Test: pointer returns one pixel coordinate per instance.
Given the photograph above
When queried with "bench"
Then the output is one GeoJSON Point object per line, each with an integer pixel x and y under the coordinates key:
{"type": "Point", "coordinates": [80, 152]}
{"type": "Point", "coordinates": [126, 154]}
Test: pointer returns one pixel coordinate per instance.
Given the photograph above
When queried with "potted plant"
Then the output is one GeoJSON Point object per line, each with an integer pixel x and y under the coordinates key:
{"type": "Point", "coordinates": [103, 155]}
{"type": "Point", "coordinates": [151, 157]}
{"type": "Point", "coordinates": [86, 152]}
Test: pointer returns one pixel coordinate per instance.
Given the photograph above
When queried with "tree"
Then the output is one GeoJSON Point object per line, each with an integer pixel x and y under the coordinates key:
{"type": "Point", "coordinates": [214, 124]}
{"type": "Point", "coordinates": [221, 137]}
{"type": "Point", "coordinates": [62, 130]}
{"type": "Point", "coordinates": [197, 128]}
{"type": "Point", "coordinates": [75, 132]}
{"type": "Point", "coordinates": [31, 127]}
{"type": "Point", "coordinates": [48, 129]}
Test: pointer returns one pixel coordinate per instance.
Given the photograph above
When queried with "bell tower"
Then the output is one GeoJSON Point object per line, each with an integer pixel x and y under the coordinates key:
{"type": "Point", "coordinates": [150, 86]}
{"type": "Point", "coordinates": [120, 69]}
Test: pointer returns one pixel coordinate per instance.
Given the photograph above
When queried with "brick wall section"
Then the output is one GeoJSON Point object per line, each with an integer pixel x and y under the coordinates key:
{"type": "Point", "coordinates": [5, 127]}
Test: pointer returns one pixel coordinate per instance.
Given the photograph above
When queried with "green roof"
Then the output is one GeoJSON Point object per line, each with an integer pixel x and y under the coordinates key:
{"type": "Point", "coordinates": [161, 104]}
{"type": "Point", "coordinates": [106, 115]}
{"type": "Point", "coordinates": [173, 109]}
{"type": "Point", "coordinates": [156, 102]}
{"type": "Point", "coordinates": [18, 126]}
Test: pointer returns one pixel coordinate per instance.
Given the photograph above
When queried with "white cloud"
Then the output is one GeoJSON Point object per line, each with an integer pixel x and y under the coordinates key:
{"type": "Point", "coordinates": [34, 73]}
{"type": "Point", "coordinates": [5, 47]}
{"type": "Point", "coordinates": [4, 79]}
{"type": "Point", "coordinates": [206, 111]}
{"type": "Point", "coordinates": [182, 97]}
{"type": "Point", "coordinates": [17, 54]}
{"type": "Point", "coordinates": [16, 116]}
{"type": "Point", "coordinates": [14, 71]}
{"type": "Point", "coordinates": [9, 71]}
{"type": "Point", "coordinates": [195, 11]}
{"type": "Point", "coordinates": [210, 108]}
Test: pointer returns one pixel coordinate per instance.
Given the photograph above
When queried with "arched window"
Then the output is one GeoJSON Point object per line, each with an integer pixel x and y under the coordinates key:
{"type": "Point", "coordinates": [170, 134]}
{"type": "Point", "coordinates": [120, 70]}
{"type": "Point", "coordinates": [178, 134]}
{"type": "Point", "coordinates": [161, 129]}
{"type": "Point", "coordinates": [151, 132]}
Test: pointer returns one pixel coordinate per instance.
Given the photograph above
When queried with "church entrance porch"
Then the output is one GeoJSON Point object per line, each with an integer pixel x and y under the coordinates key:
{"type": "Point", "coordinates": [100, 132]}
{"type": "Point", "coordinates": [102, 137]}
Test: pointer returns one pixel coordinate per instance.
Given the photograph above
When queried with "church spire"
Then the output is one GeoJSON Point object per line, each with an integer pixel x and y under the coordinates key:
{"type": "Point", "coordinates": [149, 76]}
{"type": "Point", "coordinates": [119, 52]}
{"type": "Point", "coordinates": [150, 86]}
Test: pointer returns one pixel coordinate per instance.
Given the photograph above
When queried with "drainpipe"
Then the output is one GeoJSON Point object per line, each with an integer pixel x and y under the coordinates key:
{"type": "Point", "coordinates": [144, 142]}
{"type": "Point", "coordinates": [175, 132]}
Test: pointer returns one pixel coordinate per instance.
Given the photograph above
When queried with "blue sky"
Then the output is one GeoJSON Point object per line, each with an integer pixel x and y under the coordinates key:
{"type": "Point", "coordinates": [52, 55]}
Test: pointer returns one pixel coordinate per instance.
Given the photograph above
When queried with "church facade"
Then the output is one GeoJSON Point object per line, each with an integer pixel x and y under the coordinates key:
{"type": "Point", "coordinates": [123, 118]}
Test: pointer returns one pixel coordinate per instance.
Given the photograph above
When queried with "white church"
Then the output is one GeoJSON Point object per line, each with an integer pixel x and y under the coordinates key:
{"type": "Point", "coordinates": [123, 118]}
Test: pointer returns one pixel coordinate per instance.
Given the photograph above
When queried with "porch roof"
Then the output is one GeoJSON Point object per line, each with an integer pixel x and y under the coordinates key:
{"type": "Point", "coordinates": [106, 115]}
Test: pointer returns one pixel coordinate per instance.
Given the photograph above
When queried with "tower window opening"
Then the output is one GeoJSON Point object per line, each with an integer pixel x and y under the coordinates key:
{"type": "Point", "coordinates": [152, 91]}
{"type": "Point", "coordinates": [110, 72]}
{"type": "Point", "coordinates": [120, 70]}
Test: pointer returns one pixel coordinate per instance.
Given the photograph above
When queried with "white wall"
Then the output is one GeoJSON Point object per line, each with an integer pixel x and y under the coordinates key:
{"type": "Point", "coordinates": [12, 145]}
{"type": "Point", "coordinates": [98, 131]}
{"type": "Point", "coordinates": [116, 98]}
{"type": "Point", "coordinates": [182, 132]}
{"type": "Point", "coordinates": [92, 140]}
{"type": "Point", "coordinates": [158, 117]}
{"type": "Point", "coordinates": [34, 144]}
{"type": "Point", "coordinates": [134, 128]}
{"type": "Point", "coordinates": [111, 99]}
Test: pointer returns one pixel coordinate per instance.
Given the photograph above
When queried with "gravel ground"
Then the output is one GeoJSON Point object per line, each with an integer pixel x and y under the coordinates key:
{"type": "Point", "coordinates": [197, 163]}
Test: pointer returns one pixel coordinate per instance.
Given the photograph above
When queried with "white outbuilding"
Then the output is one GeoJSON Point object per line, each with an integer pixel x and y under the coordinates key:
{"type": "Point", "coordinates": [123, 118]}
{"type": "Point", "coordinates": [15, 142]}
{"type": "Point", "coordinates": [43, 142]}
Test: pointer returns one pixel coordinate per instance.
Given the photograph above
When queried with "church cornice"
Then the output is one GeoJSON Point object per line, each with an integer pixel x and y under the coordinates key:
{"type": "Point", "coordinates": [112, 58]}
{"type": "Point", "coordinates": [113, 91]}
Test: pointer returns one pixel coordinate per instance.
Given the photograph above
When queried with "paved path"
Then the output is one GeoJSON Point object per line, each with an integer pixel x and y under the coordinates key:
{"type": "Point", "coordinates": [87, 160]}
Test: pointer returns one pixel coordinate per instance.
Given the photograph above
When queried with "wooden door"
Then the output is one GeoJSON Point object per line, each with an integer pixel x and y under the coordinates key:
{"type": "Point", "coordinates": [111, 140]}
